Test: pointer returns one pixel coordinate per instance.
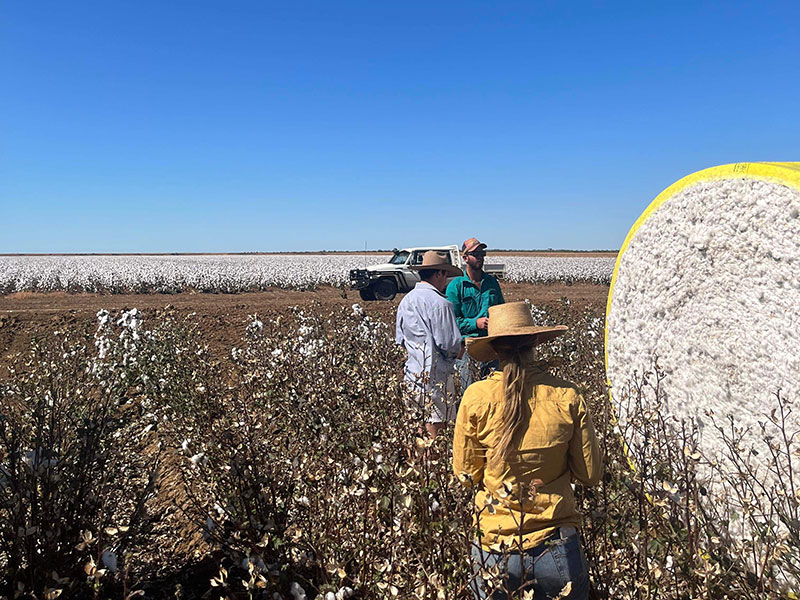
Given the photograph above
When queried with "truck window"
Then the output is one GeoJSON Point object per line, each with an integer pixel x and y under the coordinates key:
{"type": "Point", "coordinates": [399, 258]}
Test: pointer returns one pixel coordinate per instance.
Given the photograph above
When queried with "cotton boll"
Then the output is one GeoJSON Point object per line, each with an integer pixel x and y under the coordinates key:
{"type": "Point", "coordinates": [297, 592]}
{"type": "Point", "coordinates": [700, 238]}
{"type": "Point", "coordinates": [199, 459]}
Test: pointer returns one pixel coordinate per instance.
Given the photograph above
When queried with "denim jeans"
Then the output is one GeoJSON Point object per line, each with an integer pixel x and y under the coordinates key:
{"type": "Point", "coordinates": [465, 367]}
{"type": "Point", "coordinates": [545, 569]}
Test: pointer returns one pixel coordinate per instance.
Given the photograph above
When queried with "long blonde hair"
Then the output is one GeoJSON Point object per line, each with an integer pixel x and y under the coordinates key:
{"type": "Point", "coordinates": [516, 353]}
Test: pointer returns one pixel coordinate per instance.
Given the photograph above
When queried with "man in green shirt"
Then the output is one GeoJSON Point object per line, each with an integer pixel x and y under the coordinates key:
{"type": "Point", "coordinates": [472, 294]}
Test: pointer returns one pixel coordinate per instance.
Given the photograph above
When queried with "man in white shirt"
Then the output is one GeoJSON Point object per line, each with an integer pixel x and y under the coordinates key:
{"type": "Point", "coordinates": [428, 330]}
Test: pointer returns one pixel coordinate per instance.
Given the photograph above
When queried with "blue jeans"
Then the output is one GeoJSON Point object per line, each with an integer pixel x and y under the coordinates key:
{"type": "Point", "coordinates": [465, 366]}
{"type": "Point", "coordinates": [545, 569]}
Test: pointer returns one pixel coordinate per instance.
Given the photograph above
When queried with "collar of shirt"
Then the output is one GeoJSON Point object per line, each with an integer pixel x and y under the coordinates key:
{"type": "Point", "coordinates": [466, 278]}
{"type": "Point", "coordinates": [534, 369]}
{"type": "Point", "coordinates": [427, 286]}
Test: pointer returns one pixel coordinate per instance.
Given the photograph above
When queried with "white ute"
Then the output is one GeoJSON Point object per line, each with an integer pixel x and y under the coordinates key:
{"type": "Point", "coordinates": [385, 281]}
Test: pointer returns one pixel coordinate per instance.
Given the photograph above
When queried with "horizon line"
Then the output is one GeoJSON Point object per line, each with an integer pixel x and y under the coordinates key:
{"type": "Point", "coordinates": [285, 252]}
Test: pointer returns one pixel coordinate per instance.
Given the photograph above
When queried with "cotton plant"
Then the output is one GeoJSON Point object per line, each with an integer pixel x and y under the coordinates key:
{"type": "Point", "coordinates": [72, 431]}
{"type": "Point", "coordinates": [279, 469]}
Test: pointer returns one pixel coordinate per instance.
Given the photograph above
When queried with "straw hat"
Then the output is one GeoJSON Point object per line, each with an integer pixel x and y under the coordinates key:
{"type": "Point", "coordinates": [507, 320]}
{"type": "Point", "coordinates": [436, 259]}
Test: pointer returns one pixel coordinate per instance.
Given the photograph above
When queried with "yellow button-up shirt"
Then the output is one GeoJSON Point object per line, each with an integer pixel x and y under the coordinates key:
{"type": "Point", "coordinates": [557, 445]}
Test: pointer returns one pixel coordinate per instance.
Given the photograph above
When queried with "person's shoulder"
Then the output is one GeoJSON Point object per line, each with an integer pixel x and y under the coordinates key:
{"type": "Point", "coordinates": [413, 298]}
{"type": "Point", "coordinates": [456, 283]}
{"type": "Point", "coordinates": [485, 391]}
{"type": "Point", "coordinates": [560, 388]}
{"type": "Point", "coordinates": [409, 297]}
{"type": "Point", "coordinates": [442, 303]}
{"type": "Point", "coordinates": [491, 278]}
{"type": "Point", "coordinates": [428, 296]}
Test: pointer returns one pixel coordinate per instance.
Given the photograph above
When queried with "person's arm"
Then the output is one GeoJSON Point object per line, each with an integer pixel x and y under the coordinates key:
{"type": "Point", "coordinates": [399, 338]}
{"type": "Point", "coordinates": [499, 291]}
{"type": "Point", "coordinates": [469, 457]}
{"type": "Point", "coordinates": [466, 325]}
{"type": "Point", "coordinates": [585, 459]}
{"type": "Point", "coordinates": [446, 335]}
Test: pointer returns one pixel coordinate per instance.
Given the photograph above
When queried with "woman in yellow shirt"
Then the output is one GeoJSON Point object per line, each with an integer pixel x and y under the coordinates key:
{"type": "Point", "coordinates": [521, 437]}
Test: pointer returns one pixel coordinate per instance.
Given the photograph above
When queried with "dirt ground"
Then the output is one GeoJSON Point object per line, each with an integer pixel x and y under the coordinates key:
{"type": "Point", "coordinates": [223, 317]}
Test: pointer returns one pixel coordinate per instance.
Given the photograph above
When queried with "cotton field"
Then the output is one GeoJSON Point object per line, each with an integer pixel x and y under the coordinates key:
{"type": "Point", "coordinates": [140, 453]}
{"type": "Point", "coordinates": [236, 273]}
{"type": "Point", "coordinates": [543, 269]}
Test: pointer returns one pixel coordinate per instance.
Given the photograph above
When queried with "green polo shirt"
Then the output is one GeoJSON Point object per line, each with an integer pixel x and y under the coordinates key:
{"type": "Point", "coordinates": [471, 303]}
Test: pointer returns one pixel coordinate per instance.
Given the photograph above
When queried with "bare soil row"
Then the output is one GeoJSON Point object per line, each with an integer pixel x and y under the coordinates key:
{"type": "Point", "coordinates": [223, 317]}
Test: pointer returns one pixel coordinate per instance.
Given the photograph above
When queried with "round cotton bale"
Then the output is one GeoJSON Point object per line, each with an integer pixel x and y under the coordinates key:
{"type": "Point", "coordinates": [707, 283]}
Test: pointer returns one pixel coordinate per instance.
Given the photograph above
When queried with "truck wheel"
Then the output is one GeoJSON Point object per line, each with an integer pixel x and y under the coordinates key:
{"type": "Point", "coordinates": [385, 289]}
{"type": "Point", "coordinates": [367, 294]}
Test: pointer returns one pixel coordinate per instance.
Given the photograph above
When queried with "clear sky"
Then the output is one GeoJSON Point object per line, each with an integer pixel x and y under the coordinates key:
{"type": "Point", "coordinates": [183, 126]}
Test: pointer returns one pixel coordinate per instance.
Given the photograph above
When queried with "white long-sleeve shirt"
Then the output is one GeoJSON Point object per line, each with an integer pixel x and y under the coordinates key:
{"type": "Point", "coordinates": [427, 328]}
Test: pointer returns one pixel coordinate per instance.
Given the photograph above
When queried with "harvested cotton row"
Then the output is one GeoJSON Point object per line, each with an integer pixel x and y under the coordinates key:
{"type": "Point", "coordinates": [708, 284]}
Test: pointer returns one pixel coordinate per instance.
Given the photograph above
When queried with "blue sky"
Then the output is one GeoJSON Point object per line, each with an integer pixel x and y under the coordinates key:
{"type": "Point", "coordinates": [198, 126]}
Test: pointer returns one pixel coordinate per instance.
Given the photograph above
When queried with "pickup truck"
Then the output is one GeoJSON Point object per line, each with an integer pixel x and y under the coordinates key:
{"type": "Point", "coordinates": [385, 281]}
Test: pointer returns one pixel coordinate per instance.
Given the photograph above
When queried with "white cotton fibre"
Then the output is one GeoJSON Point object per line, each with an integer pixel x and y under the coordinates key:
{"type": "Point", "coordinates": [710, 286]}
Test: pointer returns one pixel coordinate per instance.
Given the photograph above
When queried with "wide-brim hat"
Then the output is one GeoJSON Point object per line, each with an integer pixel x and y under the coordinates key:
{"type": "Point", "coordinates": [471, 245]}
{"type": "Point", "coordinates": [510, 320]}
{"type": "Point", "coordinates": [435, 259]}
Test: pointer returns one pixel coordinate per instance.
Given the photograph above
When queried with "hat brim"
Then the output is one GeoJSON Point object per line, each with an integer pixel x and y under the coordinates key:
{"type": "Point", "coordinates": [452, 270]}
{"type": "Point", "coordinates": [480, 348]}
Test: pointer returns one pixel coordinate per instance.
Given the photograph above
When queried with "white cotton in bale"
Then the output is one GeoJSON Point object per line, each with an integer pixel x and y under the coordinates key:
{"type": "Point", "coordinates": [708, 283]}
